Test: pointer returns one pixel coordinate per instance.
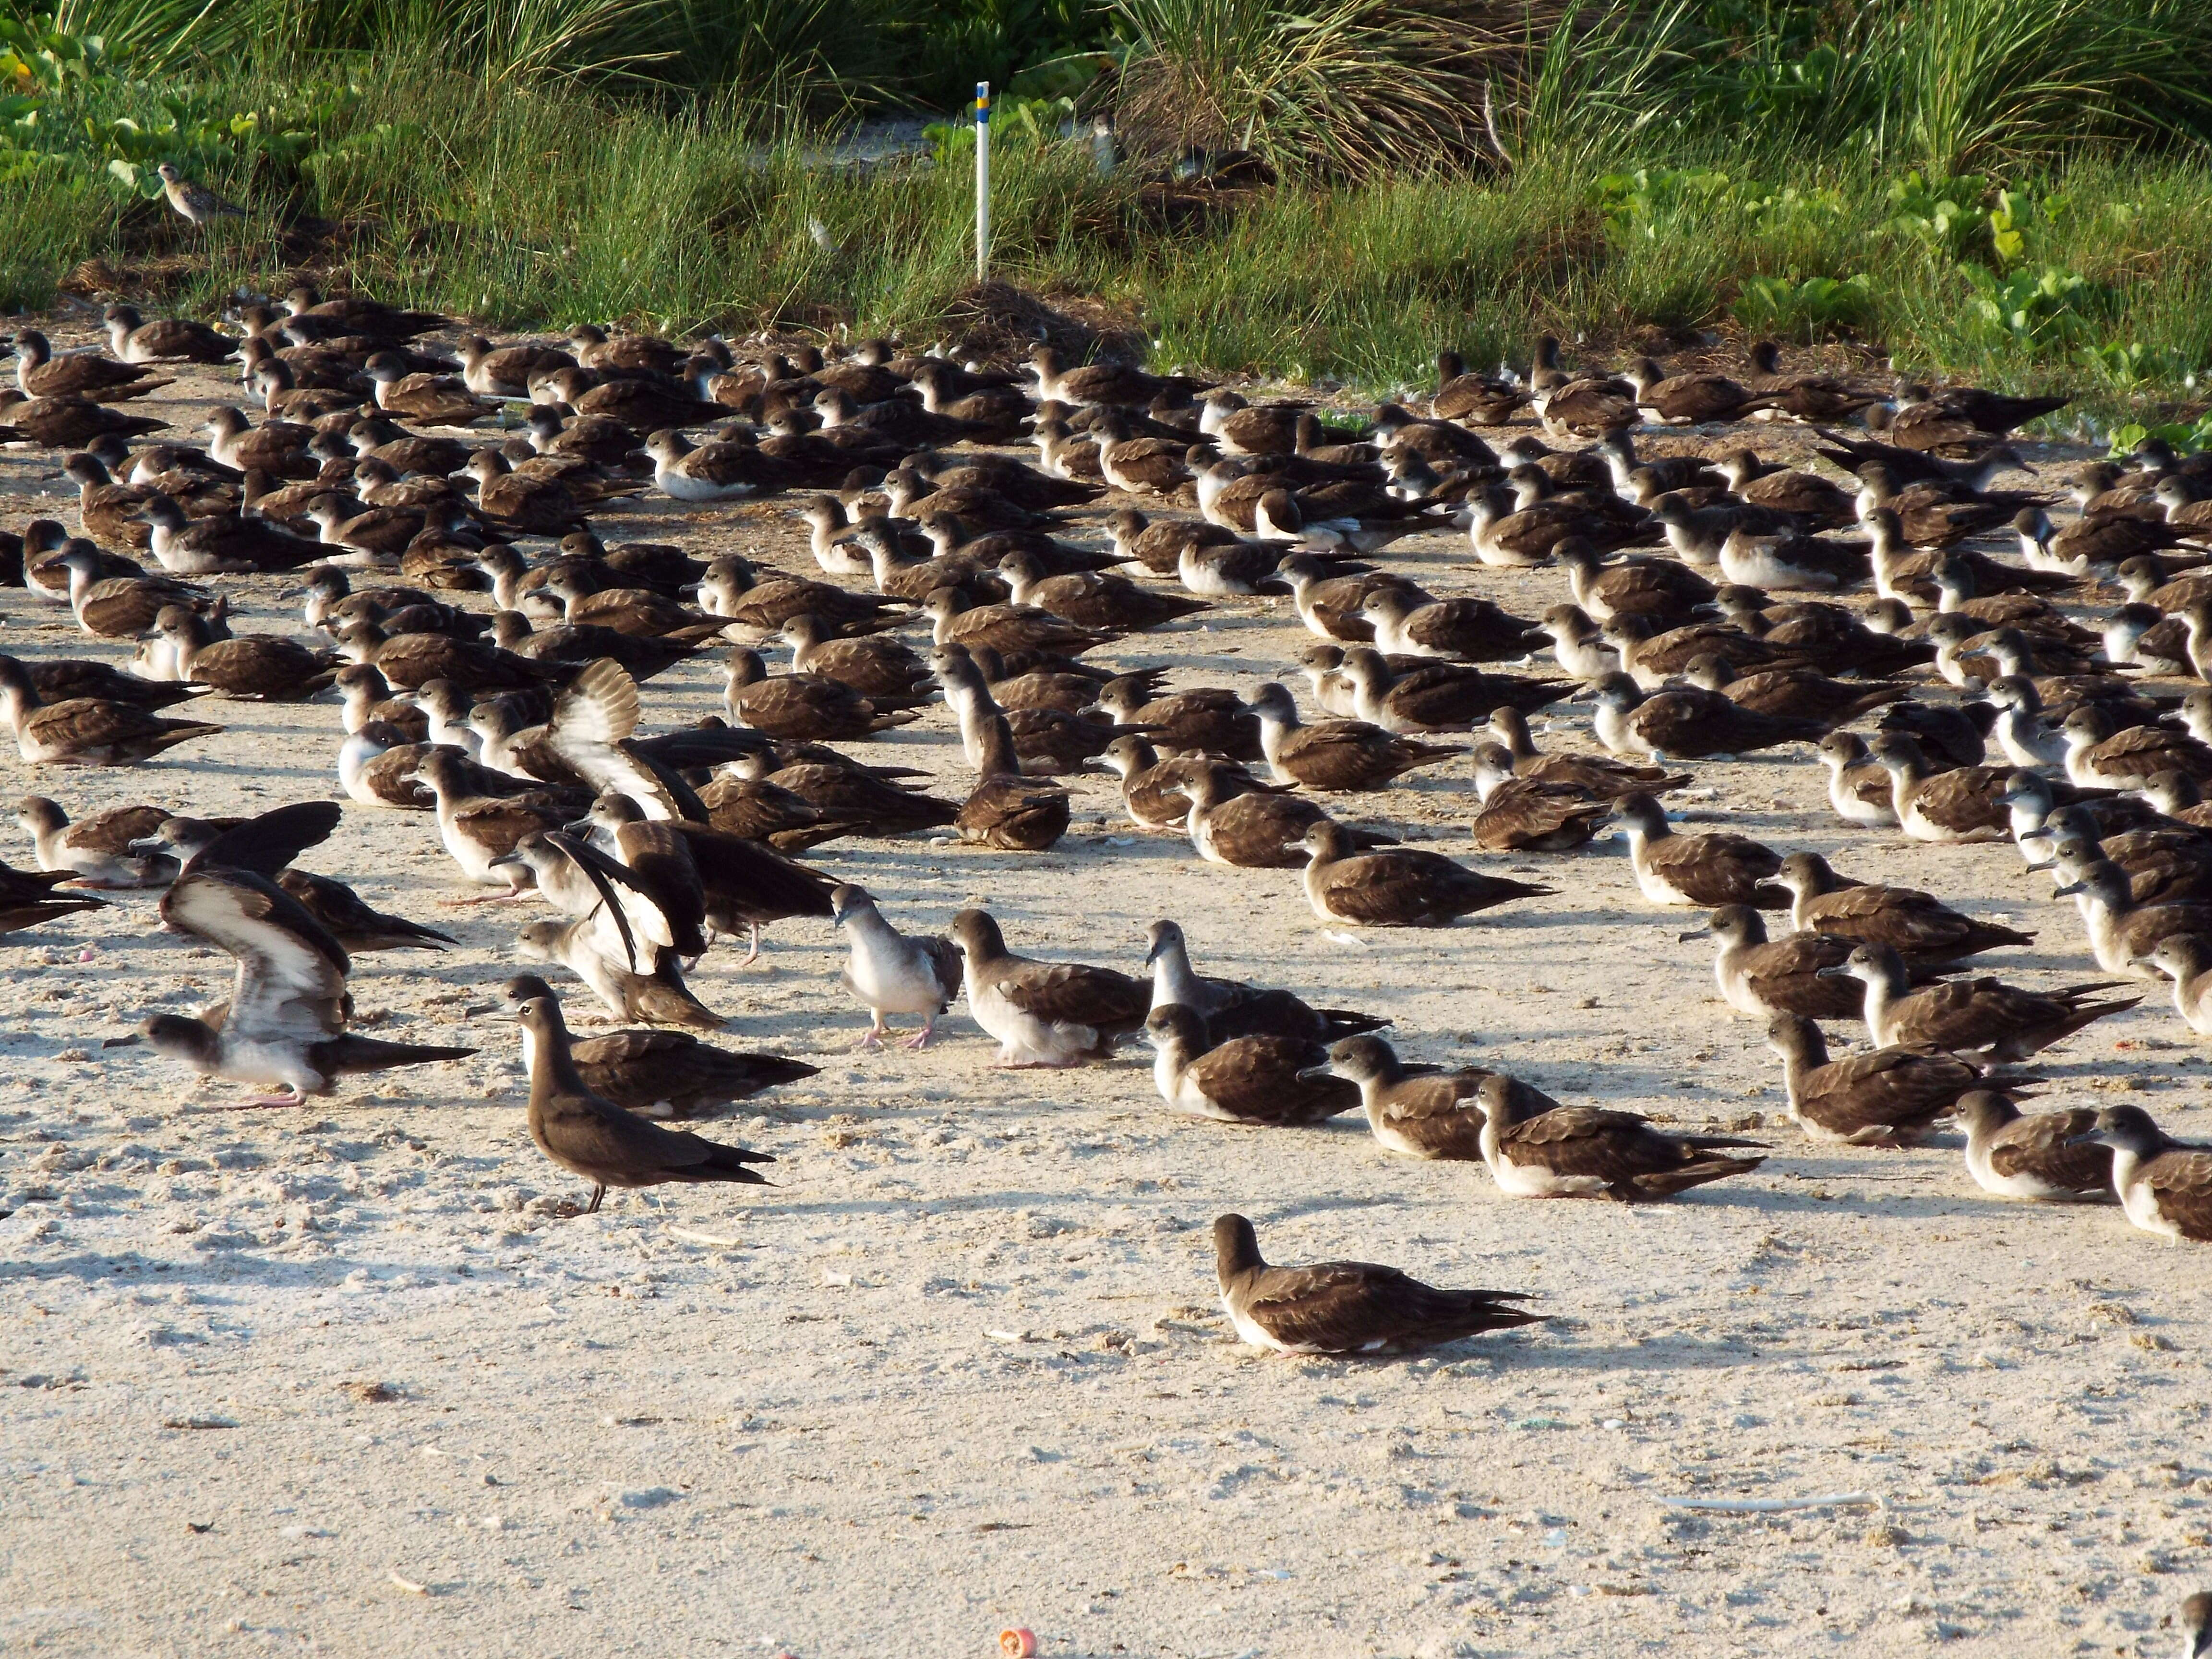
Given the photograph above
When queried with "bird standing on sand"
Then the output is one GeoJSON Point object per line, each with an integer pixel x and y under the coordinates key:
{"type": "Point", "coordinates": [193, 200]}
{"type": "Point", "coordinates": [891, 972]}
{"type": "Point", "coordinates": [591, 1136]}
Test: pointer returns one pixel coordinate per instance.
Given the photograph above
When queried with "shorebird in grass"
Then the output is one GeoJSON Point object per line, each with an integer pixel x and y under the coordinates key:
{"type": "Point", "coordinates": [193, 200]}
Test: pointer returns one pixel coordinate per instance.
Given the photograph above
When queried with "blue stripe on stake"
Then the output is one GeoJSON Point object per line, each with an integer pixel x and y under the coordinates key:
{"type": "Point", "coordinates": [983, 179]}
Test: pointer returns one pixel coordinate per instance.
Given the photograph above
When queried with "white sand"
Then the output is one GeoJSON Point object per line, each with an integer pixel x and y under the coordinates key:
{"type": "Point", "coordinates": [964, 1367]}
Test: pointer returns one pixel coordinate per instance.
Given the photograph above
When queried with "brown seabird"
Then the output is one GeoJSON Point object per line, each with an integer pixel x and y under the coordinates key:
{"type": "Point", "coordinates": [1883, 1098]}
{"type": "Point", "coordinates": [1983, 1016]}
{"type": "Point", "coordinates": [2039, 1156]}
{"type": "Point", "coordinates": [1345, 1307]}
{"type": "Point", "coordinates": [86, 731]}
{"type": "Point", "coordinates": [1924, 931]}
{"type": "Point", "coordinates": [661, 1075]}
{"type": "Point", "coordinates": [1703, 870]}
{"type": "Point", "coordinates": [585, 1133]}
{"type": "Point", "coordinates": [1397, 886]}
{"type": "Point", "coordinates": [1233, 1008]}
{"type": "Point", "coordinates": [1764, 977]}
{"type": "Point", "coordinates": [1335, 756]}
{"type": "Point", "coordinates": [1263, 1080]}
{"type": "Point", "coordinates": [2164, 1185]}
{"type": "Point", "coordinates": [1586, 1152]}
{"type": "Point", "coordinates": [1044, 1013]}
{"type": "Point", "coordinates": [284, 1025]}
{"type": "Point", "coordinates": [1420, 1111]}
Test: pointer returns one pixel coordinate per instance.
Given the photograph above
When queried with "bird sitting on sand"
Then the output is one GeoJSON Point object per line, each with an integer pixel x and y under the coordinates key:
{"type": "Point", "coordinates": [2164, 1185]}
{"type": "Point", "coordinates": [1044, 1013]}
{"type": "Point", "coordinates": [1586, 1152]}
{"type": "Point", "coordinates": [1262, 1080]}
{"type": "Point", "coordinates": [1345, 1307]}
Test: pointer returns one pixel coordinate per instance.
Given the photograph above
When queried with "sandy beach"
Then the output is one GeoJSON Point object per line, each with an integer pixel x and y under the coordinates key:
{"type": "Point", "coordinates": [347, 1380]}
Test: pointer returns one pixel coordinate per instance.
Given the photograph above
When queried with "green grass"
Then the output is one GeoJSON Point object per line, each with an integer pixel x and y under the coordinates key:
{"type": "Point", "coordinates": [526, 199]}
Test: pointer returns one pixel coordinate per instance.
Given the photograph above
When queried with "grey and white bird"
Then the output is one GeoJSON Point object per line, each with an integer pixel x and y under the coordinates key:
{"type": "Point", "coordinates": [891, 972]}
{"type": "Point", "coordinates": [284, 1025]}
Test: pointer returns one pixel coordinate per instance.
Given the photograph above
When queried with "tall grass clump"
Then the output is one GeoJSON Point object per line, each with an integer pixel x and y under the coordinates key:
{"type": "Point", "coordinates": [1348, 88]}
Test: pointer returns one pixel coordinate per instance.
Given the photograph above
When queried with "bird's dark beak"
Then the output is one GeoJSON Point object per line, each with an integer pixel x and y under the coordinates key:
{"type": "Point", "coordinates": [2067, 892]}
{"type": "Point", "coordinates": [839, 917]}
{"type": "Point", "coordinates": [504, 861]}
{"type": "Point", "coordinates": [1153, 955]}
{"type": "Point", "coordinates": [1695, 932]}
{"type": "Point", "coordinates": [1837, 972]}
{"type": "Point", "coordinates": [1315, 1073]}
{"type": "Point", "coordinates": [2094, 1138]}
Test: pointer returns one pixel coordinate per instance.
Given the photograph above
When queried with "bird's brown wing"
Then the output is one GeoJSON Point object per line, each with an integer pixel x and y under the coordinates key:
{"type": "Point", "coordinates": [83, 723]}
{"type": "Point", "coordinates": [756, 879]}
{"type": "Point", "coordinates": [1253, 1077]}
{"type": "Point", "coordinates": [1894, 1084]}
{"type": "Point", "coordinates": [1381, 887]}
{"type": "Point", "coordinates": [612, 1146]}
{"type": "Point", "coordinates": [2037, 1145]}
{"type": "Point", "coordinates": [1333, 1305]}
{"type": "Point", "coordinates": [1614, 1147]}
{"type": "Point", "coordinates": [2182, 1181]}
{"type": "Point", "coordinates": [1902, 917]}
{"type": "Point", "coordinates": [291, 973]}
{"type": "Point", "coordinates": [1074, 993]}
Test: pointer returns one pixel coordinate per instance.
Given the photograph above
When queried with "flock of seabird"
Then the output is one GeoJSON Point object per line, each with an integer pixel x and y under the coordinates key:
{"type": "Point", "coordinates": [495, 686]}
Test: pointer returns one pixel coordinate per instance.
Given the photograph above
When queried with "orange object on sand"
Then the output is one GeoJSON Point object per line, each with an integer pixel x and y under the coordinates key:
{"type": "Point", "coordinates": [1018, 1643]}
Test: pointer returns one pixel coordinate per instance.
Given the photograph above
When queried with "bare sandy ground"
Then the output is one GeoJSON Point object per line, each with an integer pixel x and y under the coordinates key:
{"type": "Point", "coordinates": [340, 1380]}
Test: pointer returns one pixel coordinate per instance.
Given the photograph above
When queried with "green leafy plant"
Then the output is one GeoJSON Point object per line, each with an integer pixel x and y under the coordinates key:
{"type": "Point", "coordinates": [2033, 307]}
{"type": "Point", "coordinates": [2185, 437]}
{"type": "Point", "coordinates": [1804, 309]}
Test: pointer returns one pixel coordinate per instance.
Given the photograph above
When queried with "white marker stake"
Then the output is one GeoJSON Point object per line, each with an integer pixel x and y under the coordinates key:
{"type": "Point", "coordinates": [983, 179]}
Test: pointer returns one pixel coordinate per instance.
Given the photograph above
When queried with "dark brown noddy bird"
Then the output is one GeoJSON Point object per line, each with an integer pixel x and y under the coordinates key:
{"type": "Point", "coordinates": [591, 1136]}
